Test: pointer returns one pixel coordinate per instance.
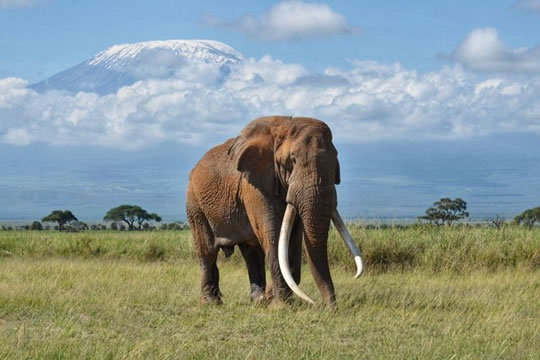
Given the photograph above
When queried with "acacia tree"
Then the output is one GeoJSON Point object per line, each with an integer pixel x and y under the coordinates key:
{"type": "Point", "coordinates": [528, 217]}
{"type": "Point", "coordinates": [145, 216]}
{"type": "Point", "coordinates": [446, 211]}
{"type": "Point", "coordinates": [131, 215]}
{"type": "Point", "coordinates": [61, 217]}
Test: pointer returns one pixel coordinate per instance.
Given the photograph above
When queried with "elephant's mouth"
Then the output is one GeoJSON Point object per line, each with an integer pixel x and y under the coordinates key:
{"type": "Point", "coordinates": [283, 248]}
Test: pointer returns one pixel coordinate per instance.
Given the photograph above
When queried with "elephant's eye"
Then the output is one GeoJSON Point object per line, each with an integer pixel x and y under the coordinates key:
{"type": "Point", "coordinates": [293, 159]}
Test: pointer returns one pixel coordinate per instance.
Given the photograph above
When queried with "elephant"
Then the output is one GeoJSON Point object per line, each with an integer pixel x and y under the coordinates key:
{"type": "Point", "coordinates": [263, 191]}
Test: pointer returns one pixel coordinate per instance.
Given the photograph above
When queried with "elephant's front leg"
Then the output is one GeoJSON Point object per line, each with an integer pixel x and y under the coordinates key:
{"type": "Point", "coordinates": [265, 217]}
{"type": "Point", "coordinates": [295, 261]}
{"type": "Point", "coordinates": [254, 258]}
{"type": "Point", "coordinates": [295, 251]}
{"type": "Point", "coordinates": [278, 289]}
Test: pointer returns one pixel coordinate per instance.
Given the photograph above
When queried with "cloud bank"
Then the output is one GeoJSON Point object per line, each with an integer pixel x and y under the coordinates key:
{"type": "Point", "coordinates": [482, 50]}
{"type": "Point", "coordinates": [289, 20]}
{"type": "Point", "coordinates": [365, 103]}
{"type": "Point", "coordinates": [7, 4]}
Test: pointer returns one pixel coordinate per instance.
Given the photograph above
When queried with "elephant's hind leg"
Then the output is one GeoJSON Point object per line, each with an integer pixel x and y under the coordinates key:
{"type": "Point", "coordinates": [254, 258]}
{"type": "Point", "coordinates": [210, 292]}
{"type": "Point", "coordinates": [203, 238]}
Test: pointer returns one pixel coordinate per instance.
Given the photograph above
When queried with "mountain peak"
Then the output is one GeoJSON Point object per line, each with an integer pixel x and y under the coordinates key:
{"type": "Point", "coordinates": [209, 51]}
{"type": "Point", "coordinates": [124, 64]}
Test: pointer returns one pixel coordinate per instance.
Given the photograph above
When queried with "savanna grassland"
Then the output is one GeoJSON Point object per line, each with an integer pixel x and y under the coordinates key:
{"type": "Point", "coordinates": [427, 293]}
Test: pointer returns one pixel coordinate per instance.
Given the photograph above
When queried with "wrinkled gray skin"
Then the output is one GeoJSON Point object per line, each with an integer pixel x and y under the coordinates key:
{"type": "Point", "coordinates": [237, 195]}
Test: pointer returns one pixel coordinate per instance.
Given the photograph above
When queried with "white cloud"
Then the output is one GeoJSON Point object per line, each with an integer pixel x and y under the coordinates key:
{"type": "Point", "coordinates": [290, 20]}
{"type": "Point", "coordinates": [530, 5]}
{"type": "Point", "coordinates": [16, 136]}
{"type": "Point", "coordinates": [17, 3]}
{"type": "Point", "coordinates": [482, 50]}
{"type": "Point", "coordinates": [12, 90]}
{"type": "Point", "coordinates": [365, 103]}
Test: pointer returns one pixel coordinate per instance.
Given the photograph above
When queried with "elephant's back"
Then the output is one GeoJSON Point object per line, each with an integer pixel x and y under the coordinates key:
{"type": "Point", "coordinates": [215, 159]}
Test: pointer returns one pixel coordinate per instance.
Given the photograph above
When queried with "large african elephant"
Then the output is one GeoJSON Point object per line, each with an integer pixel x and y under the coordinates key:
{"type": "Point", "coordinates": [261, 191]}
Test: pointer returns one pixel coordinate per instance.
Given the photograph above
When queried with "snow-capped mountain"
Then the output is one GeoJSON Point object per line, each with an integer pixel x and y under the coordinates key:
{"type": "Point", "coordinates": [123, 65]}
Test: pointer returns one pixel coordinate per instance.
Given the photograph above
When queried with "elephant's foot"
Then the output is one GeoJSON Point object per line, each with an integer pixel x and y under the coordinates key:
{"type": "Point", "coordinates": [279, 304]}
{"type": "Point", "coordinates": [210, 294]}
{"type": "Point", "coordinates": [211, 300]}
{"type": "Point", "coordinates": [257, 294]}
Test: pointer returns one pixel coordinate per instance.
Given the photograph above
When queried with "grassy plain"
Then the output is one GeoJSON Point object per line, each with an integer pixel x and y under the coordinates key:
{"type": "Point", "coordinates": [428, 293]}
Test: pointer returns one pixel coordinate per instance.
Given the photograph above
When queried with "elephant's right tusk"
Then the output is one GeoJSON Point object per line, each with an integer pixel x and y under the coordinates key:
{"type": "Point", "coordinates": [347, 238]}
{"type": "Point", "coordinates": [283, 252]}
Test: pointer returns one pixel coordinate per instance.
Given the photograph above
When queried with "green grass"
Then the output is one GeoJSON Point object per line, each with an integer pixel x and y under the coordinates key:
{"type": "Point", "coordinates": [456, 249]}
{"type": "Point", "coordinates": [428, 293]}
{"type": "Point", "coordinates": [100, 309]}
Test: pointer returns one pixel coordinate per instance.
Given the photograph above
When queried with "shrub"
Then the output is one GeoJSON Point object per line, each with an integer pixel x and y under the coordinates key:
{"type": "Point", "coordinates": [36, 225]}
{"type": "Point", "coordinates": [528, 217]}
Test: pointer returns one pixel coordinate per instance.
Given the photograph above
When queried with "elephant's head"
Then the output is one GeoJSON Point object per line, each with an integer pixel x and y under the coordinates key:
{"type": "Point", "coordinates": [294, 159]}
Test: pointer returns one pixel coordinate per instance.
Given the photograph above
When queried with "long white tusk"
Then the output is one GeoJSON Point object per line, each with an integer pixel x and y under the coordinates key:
{"type": "Point", "coordinates": [283, 252]}
{"type": "Point", "coordinates": [347, 238]}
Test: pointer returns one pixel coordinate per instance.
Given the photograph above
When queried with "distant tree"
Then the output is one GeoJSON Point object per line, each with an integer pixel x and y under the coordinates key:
{"type": "Point", "coordinates": [446, 211]}
{"type": "Point", "coordinates": [131, 215]}
{"type": "Point", "coordinates": [528, 217]}
{"type": "Point", "coordinates": [36, 225]}
{"type": "Point", "coordinates": [145, 216]}
{"type": "Point", "coordinates": [498, 221]}
{"type": "Point", "coordinates": [76, 226]}
{"type": "Point", "coordinates": [175, 226]}
{"type": "Point", "coordinates": [61, 217]}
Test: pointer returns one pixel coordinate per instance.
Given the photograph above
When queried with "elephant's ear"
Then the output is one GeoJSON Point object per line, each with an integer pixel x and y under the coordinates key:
{"type": "Point", "coordinates": [255, 160]}
{"type": "Point", "coordinates": [338, 176]}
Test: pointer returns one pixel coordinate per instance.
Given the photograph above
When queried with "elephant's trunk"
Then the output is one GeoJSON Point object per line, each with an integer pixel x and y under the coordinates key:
{"type": "Point", "coordinates": [315, 216]}
{"type": "Point", "coordinates": [283, 252]}
{"type": "Point", "coordinates": [315, 208]}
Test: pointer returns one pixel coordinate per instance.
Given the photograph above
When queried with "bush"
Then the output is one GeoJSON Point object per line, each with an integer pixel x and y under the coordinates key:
{"type": "Point", "coordinates": [36, 225]}
{"type": "Point", "coordinates": [173, 226]}
{"type": "Point", "coordinates": [528, 217]}
{"type": "Point", "coordinates": [154, 252]}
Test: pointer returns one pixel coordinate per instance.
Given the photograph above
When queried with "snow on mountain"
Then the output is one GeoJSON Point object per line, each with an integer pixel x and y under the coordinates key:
{"type": "Point", "coordinates": [123, 65]}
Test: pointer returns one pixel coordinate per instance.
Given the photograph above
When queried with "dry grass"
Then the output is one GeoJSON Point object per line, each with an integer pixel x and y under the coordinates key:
{"type": "Point", "coordinates": [450, 293]}
{"type": "Point", "coordinates": [95, 309]}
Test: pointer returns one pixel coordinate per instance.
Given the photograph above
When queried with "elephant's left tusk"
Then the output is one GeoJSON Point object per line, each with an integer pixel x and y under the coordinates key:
{"type": "Point", "coordinates": [283, 252]}
{"type": "Point", "coordinates": [347, 238]}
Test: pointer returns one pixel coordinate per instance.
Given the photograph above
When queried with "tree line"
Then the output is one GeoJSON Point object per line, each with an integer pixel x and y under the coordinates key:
{"type": "Point", "coordinates": [123, 217]}
{"type": "Point", "coordinates": [446, 211]}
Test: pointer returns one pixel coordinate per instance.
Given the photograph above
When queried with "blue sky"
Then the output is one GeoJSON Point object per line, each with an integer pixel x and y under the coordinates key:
{"type": "Point", "coordinates": [394, 80]}
{"type": "Point", "coordinates": [41, 37]}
